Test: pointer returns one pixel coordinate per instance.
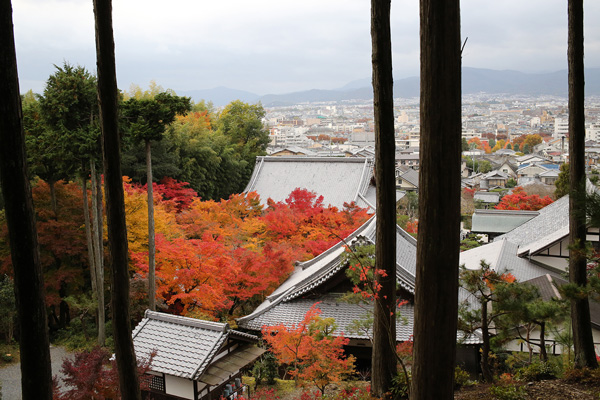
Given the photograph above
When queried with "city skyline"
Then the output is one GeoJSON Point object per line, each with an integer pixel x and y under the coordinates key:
{"type": "Point", "coordinates": [269, 47]}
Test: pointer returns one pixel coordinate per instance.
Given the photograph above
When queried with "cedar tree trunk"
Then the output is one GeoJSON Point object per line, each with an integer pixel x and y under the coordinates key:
{"type": "Point", "coordinates": [436, 291]}
{"type": "Point", "coordinates": [151, 245]}
{"type": "Point", "coordinates": [36, 374]}
{"type": "Point", "coordinates": [384, 325]}
{"type": "Point", "coordinates": [117, 229]}
{"type": "Point", "coordinates": [88, 235]}
{"type": "Point", "coordinates": [580, 308]}
{"type": "Point", "coordinates": [98, 249]}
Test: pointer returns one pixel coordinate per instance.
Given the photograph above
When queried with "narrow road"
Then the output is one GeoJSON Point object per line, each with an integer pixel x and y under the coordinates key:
{"type": "Point", "coordinates": [10, 376]}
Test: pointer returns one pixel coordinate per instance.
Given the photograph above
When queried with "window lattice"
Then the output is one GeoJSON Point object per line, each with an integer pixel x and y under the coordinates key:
{"type": "Point", "coordinates": [157, 383]}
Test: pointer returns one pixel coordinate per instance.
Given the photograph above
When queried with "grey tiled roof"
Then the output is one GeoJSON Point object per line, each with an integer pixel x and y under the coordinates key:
{"type": "Point", "coordinates": [411, 176]}
{"type": "Point", "coordinates": [291, 313]}
{"type": "Point", "coordinates": [551, 219]}
{"type": "Point", "coordinates": [548, 287]}
{"type": "Point", "coordinates": [487, 197]}
{"type": "Point", "coordinates": [338, 179]}
{"type": "Point", "coordinates": [310, 274]}
{"type": "Point", "coordinates": [184, 346]}
{"type": "Point", "coordinates": [502, 257]}
{"type": "Point", "coordinates": [499, 221]}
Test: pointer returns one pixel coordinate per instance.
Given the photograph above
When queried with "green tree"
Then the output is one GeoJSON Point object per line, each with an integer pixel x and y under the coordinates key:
{"type": "Point", "coordinates": [242, 124]}
{"type": "Point", "coordinates": [483, 166]}
{"type": "Point", "coordinates": [488, 288]}
{"type": "Point", "coordinates": [207, 159]}
{"type": "Point", "coordinates": [147, 119]}
{"type": "Point", "coordinates": [465, 145]}
{"type": "Point", "coordinates": [69, 106]}
{"type": "Point", "coordinates": [70, 143]}
{"type": "Point", "coordinates": [524, 307]}
{"type": "Point", "coordinates": [563, 183]}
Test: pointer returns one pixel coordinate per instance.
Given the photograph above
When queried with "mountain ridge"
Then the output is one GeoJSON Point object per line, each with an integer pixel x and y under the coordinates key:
{"type": "Point", "coordinates": [474, 80]}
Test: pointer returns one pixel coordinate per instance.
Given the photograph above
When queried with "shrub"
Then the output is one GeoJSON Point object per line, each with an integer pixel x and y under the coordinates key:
{"type": "Point", "coordinates": [7, 358]}
{"type": "Point", "coordinates": [462, 378]}
{"type": "Point", "coordinates": [537, 371]}
{"type": "Point", "coordinates": [582, 375]}
{"type": "Point", "coordinates": [265, 369]}
{"type": "Point", "coordinates": [401, 386]}
{"type": "Point", "coordinates": [508, 392]}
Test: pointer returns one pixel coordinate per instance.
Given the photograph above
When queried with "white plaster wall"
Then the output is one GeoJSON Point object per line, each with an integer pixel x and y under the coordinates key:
{"type": "Point", "coordinates": [515, 345]}
{"type": "Point", "coordinates": [558, 263]}
{"type": "Point", "coordinates": [179, 387]}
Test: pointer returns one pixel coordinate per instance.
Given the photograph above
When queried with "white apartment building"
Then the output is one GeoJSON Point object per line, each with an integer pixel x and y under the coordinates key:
{"type": "Point", "coordinates": [592, 132]}
{"type": "Point", "coordinates": [561, 127]}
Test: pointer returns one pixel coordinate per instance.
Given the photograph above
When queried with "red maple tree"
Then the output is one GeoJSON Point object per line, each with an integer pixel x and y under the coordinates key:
{"type": "Point", "coordinates": [519, 200]}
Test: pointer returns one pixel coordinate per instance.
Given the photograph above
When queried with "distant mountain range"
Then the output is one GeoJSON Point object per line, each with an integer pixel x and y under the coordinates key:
{"type": "Point", "coordinates": [475, 80]}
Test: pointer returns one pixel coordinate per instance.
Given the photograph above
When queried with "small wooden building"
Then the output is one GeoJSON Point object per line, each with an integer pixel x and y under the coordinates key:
{"type": "Point", "coordinates": [194, 359]}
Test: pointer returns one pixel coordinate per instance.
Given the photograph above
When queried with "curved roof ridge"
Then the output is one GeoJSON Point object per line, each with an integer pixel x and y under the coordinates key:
{"type": "Point", "coordinates": [187, 321]}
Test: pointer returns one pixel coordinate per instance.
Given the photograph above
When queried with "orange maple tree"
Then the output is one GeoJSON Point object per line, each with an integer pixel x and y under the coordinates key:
{"type": "Point", "coordinates": [233, 252]}
{"type": "Point", "coordinates": [310, 350]}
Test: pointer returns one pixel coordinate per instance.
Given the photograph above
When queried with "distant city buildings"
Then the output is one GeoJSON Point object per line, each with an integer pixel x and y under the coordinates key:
{"type": "Point", "coordinates": [346, 129]}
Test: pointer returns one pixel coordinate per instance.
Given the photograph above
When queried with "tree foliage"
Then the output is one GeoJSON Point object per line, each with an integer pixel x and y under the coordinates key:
{"type": "Point", "coordinates": [69, 109]}
{"type": "Point", "coordinates": [215, 153]}
{"type": "Point", "coordinates": [485, 285]}
{"type": "Point", "coordinates": [519, 200]}
{"type": "Point", "coordinates": [563, 183]}
{"type": "Point", "coordinates": [224, 257]}
{"type": "Point", "coordinates": [310, 350]}
{"type": "Point", "coordinates": [93, 375]}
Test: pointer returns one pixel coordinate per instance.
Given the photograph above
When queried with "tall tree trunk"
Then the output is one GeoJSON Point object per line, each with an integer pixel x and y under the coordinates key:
{"type": "Point", "coordinates": [580, 309]}
{"type": "Point", "coordinates": [88, 235]}
{"type": "Point", "coordinates": [151, 245]}
{"type": "Point", "coordinates": [36, 374]}
{"type": "Point", "coordinates": [543, 352]}
{"type": "Point", "coordinates": [115, 202]}
{"type": "Point", "coordinates": [52, 186]}
{"type": "Point", "coordinates": [98, 249]}
{"type": "Point", "coordinates": [485, 347]}
{"type": "Point", "coordinates": [436, 291]}
{"type": "Point", "coordinates": [91, 249]}
{"type": "Point", "coordinates": [384, 314]}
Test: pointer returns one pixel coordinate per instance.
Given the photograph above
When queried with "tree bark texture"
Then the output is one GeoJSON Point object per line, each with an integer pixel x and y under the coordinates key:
{"type": "Point", "coordinates": [36, 374]}
{"type": "Point", "coordinates": [88, 235]}
{"type": "Point", "coordinates": [580, 309]}
{"type": "Point", "coordinates": [98, 248]}
{"type": "Point", "coordinates": [436, 291]}
{"type": "Point", "coordinates": [151, 244]}
{"type": "Point", "coordinates": [384, 326]}
{"type": "Point", "coordinates": [117, 228]}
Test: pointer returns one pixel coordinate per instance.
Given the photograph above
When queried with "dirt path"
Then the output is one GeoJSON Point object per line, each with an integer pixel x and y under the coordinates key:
{"type": "Point", "coordinates": [10, 376]}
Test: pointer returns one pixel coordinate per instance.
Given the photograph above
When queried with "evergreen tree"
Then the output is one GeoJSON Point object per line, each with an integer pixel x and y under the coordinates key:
{"type": "Point", "coordinates": [147, 119]}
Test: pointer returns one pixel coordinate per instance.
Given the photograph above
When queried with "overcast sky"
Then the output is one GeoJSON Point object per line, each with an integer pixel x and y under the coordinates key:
{"type": "Point", "coordinates": [279, 46]}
